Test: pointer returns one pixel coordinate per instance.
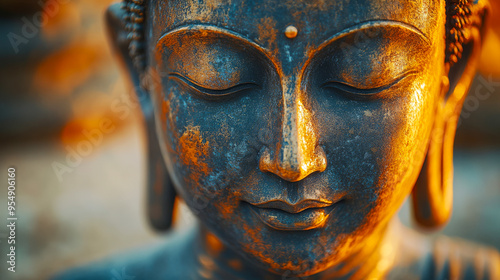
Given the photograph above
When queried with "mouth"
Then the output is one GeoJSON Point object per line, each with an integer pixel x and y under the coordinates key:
{"type": "Point", "coordinates": [304, 215]}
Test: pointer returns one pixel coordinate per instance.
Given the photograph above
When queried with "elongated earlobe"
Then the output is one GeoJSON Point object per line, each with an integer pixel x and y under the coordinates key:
{"type": "Point", "coordinates": [433, 193]}
{"type": "Point", "coordinates": [160, 190]}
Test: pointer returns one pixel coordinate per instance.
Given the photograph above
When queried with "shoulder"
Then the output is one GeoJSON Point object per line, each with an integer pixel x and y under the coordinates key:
{"type": "Point", "coordinates": [454, 258]}
{"type": "Point", "coordinates": [162, 260]}
{"type": "Point", "coordinates": [439, 258]}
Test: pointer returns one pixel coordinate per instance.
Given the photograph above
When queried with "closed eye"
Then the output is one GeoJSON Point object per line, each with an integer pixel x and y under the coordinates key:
{"type": "Point", "coordinates": [364, 92]}
{"type": "Point", "coordinates": [212, 93]}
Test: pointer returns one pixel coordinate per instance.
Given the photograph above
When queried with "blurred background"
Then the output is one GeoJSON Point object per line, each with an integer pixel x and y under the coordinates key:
{"type": "Point", "coordinates": [80, 200]}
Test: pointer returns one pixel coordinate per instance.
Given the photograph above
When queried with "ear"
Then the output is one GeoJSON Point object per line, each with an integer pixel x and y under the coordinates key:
{"type": "Point", "coordinates": [161, 193]}
{"type": "Point", "coordinates": [433, 193]}
{"type": "Point", "coordinates": [116, 26]}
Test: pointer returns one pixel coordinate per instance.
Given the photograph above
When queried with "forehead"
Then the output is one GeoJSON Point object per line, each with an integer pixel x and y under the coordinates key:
{"type": "Point", "coordinates": [253, 18]}
{"type": "Point", "coordinates": [264, 21]}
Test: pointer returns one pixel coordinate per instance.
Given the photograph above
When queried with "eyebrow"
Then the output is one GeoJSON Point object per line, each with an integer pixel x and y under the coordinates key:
{"type": "Point", "coordinates": [349, 30]}
{"type": "Point", "coordinates": [220, 30]}
{"type": "Point", "coordinates": [373, 23]}
{"type": "Point", "coordinates": [338, 35]}
{"type": "Point", "coordinates": [208, 27]}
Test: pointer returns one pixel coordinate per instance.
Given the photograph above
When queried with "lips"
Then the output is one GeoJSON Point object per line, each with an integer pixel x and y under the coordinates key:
{"type": "Point", "coordinates": [304, 215]}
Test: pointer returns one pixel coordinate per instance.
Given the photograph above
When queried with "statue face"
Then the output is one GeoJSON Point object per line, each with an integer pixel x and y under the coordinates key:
{"type": "Point", "coordinates": [295, 148]}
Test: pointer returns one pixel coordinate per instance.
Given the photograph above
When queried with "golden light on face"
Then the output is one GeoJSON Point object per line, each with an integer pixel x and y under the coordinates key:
{"type": "Point", "coordinates": [295, 130]}
{"type": "Point", "coordinates": [321, 135]}
{"type": "Point", "coordinates": [297, 155]}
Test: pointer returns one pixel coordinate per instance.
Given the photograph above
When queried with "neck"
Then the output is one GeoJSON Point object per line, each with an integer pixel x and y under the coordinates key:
{"type": "Point", "coordinates": [216, 261]}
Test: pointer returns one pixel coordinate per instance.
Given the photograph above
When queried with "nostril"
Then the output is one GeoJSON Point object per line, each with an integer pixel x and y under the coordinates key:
{"type": "Point", "coordinates": [278, 165]}
{"type": "Point", "coordinates": [270, 163]}
{"type": "Point", "coordinates": [265, 162]}
{"type": "Point", "coordinates": [306, 165]}
{"type": "Point", "coordinates": [320, 159]}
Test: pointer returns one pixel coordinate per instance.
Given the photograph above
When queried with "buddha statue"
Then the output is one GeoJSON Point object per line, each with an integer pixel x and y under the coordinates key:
{"type": "Point", "coordinates": [295, 130]}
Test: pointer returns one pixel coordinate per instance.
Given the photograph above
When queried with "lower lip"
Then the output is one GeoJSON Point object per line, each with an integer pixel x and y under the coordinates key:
{"type": "Point", "coordinates": [281, 220]}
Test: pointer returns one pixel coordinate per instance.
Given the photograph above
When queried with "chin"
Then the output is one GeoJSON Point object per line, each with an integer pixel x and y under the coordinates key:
{"type": "Point", "coordinates": [300, 253]}
{"type": "Point", "coordinates": [296, 266]}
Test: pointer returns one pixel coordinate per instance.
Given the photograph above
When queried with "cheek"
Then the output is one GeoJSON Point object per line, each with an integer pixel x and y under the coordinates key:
{"type": "Point", "coordinates": [376, 147]}
{"type": "Point", "coordinates": [401, 142]}
{"type": "Point", "coordinates": [208, 145]}
{"type": "Point", "coordinates": [407, 140]}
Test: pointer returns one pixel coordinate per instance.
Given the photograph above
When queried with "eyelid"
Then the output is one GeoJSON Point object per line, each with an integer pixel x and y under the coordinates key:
{"type": "Point", "coordinates": [366, 91]}
{"type": "Point", "coordinates": [207, 92]}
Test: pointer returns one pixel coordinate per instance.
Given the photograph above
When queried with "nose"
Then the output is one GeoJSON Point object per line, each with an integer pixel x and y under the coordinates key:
{"type": "Point", "coordinates": [296, 154]}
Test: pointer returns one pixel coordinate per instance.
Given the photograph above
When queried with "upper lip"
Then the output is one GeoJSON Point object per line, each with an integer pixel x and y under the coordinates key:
{"type": "Point", "coordinates": [293, 208]}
